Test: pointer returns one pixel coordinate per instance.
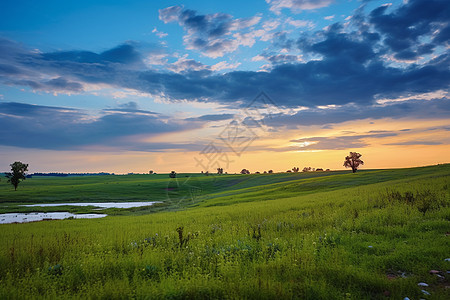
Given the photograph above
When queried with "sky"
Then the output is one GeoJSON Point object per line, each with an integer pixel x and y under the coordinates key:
{"type": "Point", "coordinates": [133, 86]}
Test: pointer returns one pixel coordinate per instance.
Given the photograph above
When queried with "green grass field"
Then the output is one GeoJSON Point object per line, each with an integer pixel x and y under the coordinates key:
{"type": "Point", "coordinates": [374, 234]}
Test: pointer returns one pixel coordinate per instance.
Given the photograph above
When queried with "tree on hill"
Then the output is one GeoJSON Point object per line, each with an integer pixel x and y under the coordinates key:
{"type": "Point", "coordinates": [220, 171]}
{"type": "Point", "coordinates": [295, 169]}
{"type": "Point", "coordinates": [245, 171]}
{"type": "Point", "coordinates": [17, 173]}
{"type": "Point", "coordinates": [173, 174]}
{"type": "Point", "coordinates": [353, 161]}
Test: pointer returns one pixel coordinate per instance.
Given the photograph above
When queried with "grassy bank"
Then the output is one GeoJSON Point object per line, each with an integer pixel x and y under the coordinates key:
{"type": "Point", "coordinates": [370, 235]}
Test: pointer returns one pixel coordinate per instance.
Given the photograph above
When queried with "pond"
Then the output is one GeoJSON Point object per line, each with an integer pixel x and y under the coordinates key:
{"type": "Point", "coordinates": [39, 216]}
{"type": "Point", "coordinates": [32, 217]}
{"type": "Point", "coordinates": [98, 204]}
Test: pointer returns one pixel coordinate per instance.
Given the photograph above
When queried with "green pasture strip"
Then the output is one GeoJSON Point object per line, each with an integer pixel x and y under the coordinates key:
{"type": "Point", "coordinates": [310, 185]}
{"type": "Point", "coordinates": [155, 187]}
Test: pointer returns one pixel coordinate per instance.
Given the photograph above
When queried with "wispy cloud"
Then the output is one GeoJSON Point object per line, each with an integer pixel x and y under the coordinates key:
{"type": "Point", "coordinates": [277, 59]}
{"type": "Point", "coordinates": [415, 143]}
{"type": "Point", "coordinates": [186, 65]}
{"type": "Point", "coordinates": [223, 65]}
{"type": "Point", "coordinates": [214, 34]}
{"type": "Point", "coordinates": [160, 34]}
{"type": "Point", "coordinates": [297, 6]}
{"type": "Point", "coordinates": [300, 23]}
{"type": "Point", "coordinates": [338, 142]}
{"type": "Point", "coordinates": [183, 64]}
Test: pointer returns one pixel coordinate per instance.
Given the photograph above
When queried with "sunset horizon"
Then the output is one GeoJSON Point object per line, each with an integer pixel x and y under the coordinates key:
{"type": "Point", "coordinates": [132, 87]}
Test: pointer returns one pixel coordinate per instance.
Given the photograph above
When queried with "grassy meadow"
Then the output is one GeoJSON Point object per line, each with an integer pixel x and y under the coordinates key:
{"type": "Point", "coordinates": [375, 234]}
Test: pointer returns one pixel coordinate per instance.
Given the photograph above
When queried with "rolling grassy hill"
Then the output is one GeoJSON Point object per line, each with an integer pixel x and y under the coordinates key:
{"type": "Point", "coordinates": [375, 234]}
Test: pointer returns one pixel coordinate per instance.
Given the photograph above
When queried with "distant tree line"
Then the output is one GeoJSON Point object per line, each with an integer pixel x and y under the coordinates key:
{"type": "Point", "coordinates": [68, 174]}
{"type": "Point", "coordinates": [309, 169]}
{"type": "Point", "coordinates": [351, 161]}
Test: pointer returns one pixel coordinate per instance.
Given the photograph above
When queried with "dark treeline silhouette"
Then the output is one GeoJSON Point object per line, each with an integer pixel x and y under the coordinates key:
{"type": "Point", "coordinates": [69, 174]}
{"type": "Point", "coordinates": [309, 169]}
{"type": "Point", "coordinates": [245, 171]}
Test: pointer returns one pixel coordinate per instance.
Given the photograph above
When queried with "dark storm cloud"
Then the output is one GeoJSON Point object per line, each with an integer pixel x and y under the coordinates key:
{"type": "Point", "coordinates": [122, 54]}
{"type": "Point", "coordinates": [43, 127]}
{"type": "Point", "coordinates": [8, 70]}
{"type": "Point", "coordinates": [403, 27]}
{"type": "Point", "coordinates": [281, 40]}
{"type": "Point", "coordinates": [342, 46]}
{"type": "Point", "coordinates": [69, 69]}
{"type": "Point", "coordinates": [63, 84]}
{"type": "Point", "coordinates": [304, 84]}
{"type": "Point", "coordinates": [277, 59]}
{"type": "Point", "coordinates": [56, 84]}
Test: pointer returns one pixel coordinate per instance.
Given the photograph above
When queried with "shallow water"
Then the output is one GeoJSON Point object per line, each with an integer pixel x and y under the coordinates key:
{"type": "Point", "coordinates": [32, 217]}
{"type": "Point", "coordinates": [102, 205]}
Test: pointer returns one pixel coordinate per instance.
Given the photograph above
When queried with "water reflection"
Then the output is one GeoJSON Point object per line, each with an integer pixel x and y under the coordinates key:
{"type": "Point", "coordinates": [32, 217]}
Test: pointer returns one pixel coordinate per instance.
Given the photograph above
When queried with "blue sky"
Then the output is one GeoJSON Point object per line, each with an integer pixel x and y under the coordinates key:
{"type": "Point", "coordinates": [159, 81]}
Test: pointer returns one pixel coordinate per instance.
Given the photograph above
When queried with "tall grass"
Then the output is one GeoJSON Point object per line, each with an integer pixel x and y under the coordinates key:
{"type": "Point", "coordinates": [366, 241]}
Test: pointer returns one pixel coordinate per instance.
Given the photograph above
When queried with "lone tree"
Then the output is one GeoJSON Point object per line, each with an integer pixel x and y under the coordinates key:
{"type": "Point", "coordinates": [17, 173]}
{"type": "Point", "coordinates": [353, 161]}
{"type": "Point", "coordinates": [173, 174]}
